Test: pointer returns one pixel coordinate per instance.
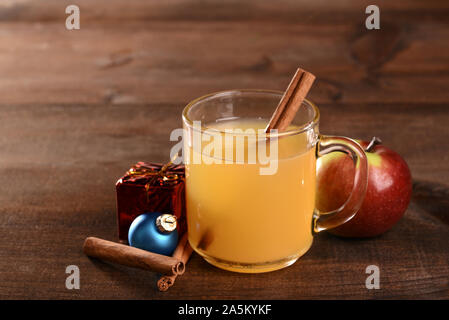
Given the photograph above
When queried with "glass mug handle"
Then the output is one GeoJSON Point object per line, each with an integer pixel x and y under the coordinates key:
{"type": "Point", "coordinates": [328, 220]}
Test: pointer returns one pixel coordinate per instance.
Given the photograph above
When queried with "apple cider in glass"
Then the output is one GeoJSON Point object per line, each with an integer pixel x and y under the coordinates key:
{"type": "Point", "coordinates": [257, 220]}
{"type": "Point", "coordinates": [247, 212]}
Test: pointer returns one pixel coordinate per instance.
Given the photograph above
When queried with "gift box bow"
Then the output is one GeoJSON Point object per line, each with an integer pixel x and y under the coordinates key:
{"type": "Point", "coordinates": [153, 174]}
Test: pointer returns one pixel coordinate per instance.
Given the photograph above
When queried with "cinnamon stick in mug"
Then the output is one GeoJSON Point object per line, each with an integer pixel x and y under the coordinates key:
{"type": "Point", "coordinates": [291, 100]}
{"type": "Point", "coordinates": [132, 257]}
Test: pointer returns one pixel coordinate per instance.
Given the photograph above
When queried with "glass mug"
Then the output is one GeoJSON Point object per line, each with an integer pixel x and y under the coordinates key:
{"type": "Point", "coordinates": [239, 219]}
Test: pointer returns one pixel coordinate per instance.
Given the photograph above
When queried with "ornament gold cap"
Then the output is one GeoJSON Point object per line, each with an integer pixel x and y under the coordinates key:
{"type": "Point", "coordinates": [166, 223]}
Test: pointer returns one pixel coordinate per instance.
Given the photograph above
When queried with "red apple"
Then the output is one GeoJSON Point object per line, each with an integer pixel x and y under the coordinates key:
{"type": "Point", "coordinates": [387, 197]}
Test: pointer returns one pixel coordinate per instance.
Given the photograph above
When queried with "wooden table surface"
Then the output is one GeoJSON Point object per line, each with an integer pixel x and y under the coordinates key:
{"type": "Point", "coordinates": [79, 107]}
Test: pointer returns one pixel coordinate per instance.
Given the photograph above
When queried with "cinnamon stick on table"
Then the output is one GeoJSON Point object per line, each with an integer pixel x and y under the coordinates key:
{"type": "Point", "coordinates": [132, 257]}
{"type": "Point", "coordinates": [291, 100]}
{"type": "Point", "coordinates": [182, 252]}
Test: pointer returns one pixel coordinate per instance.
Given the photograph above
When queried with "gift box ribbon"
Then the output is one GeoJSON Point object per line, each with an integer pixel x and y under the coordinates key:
{"type": "Point", "coordinates": [164, 174]}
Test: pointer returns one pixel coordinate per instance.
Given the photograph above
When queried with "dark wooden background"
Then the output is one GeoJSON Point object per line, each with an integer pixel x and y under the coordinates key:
{"type": "Point", "coordinates": [78, 108]}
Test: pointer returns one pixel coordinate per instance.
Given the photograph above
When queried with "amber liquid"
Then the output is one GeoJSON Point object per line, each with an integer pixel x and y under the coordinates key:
{"type": "Point", "coordinates": [243, 221]}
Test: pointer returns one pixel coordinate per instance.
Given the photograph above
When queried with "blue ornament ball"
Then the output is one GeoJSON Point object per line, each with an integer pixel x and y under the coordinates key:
{"type": "Point", "coordinates": [144, 234]}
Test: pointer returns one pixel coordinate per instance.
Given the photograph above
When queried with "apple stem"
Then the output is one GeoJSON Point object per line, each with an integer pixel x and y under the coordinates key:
{"type": "Point", "coordinates": [374, 142]}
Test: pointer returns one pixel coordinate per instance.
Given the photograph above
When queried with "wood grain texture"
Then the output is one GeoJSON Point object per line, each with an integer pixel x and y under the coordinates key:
{"type": "Point", "coordinates": [78, 108]}
{"type": "Point", "coordinates": [128, 51]}
{"type": "Point", "coordinates": [58, 187]}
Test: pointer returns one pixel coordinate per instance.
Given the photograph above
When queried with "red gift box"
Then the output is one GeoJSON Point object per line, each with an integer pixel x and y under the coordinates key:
{"type": "Point", "coordinates": [150, 187]}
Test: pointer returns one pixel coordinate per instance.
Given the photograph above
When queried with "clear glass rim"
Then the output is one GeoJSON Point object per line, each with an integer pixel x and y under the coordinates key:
{"type": "Point", "coordinates": [305, 127]}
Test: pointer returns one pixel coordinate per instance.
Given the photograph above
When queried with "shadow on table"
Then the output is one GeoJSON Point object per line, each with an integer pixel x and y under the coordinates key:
{"type": "Point", "coordinates": [433, 198]}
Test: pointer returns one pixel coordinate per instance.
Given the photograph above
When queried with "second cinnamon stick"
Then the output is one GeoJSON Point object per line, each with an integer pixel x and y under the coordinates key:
{"type": "Point", "coordinates": [132, 257]}
{"type": "Point", "coordinates": [182, 252]}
